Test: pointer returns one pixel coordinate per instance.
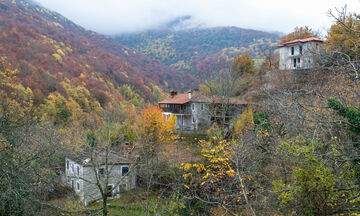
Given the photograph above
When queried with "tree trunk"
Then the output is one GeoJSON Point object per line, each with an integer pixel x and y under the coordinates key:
{"type": "Point", "coordinates": [105, 210]}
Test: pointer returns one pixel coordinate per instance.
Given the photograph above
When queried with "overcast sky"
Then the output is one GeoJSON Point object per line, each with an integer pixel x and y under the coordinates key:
{"type": "Point", "coordinates": [118, 16]}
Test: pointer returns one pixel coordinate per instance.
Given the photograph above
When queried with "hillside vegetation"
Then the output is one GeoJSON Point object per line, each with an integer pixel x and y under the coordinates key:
{"type": "Point", "coordinates": [52, 53]}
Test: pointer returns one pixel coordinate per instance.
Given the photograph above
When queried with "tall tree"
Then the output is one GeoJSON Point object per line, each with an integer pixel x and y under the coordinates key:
{"type": "Point", "coordinates": [299, 33]}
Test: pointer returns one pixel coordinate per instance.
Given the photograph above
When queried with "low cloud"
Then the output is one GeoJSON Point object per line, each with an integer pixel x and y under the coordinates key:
{"type": "Point", "coordinates": [120, 16]}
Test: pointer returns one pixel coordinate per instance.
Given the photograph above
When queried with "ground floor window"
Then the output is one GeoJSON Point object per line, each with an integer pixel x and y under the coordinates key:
{"type": "Point", "coordinates": [109, 190]}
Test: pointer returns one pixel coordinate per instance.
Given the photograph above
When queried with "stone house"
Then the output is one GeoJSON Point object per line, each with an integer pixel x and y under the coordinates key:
{"type": "Point", "coordinates": [298, 54]}
{"type": "Point", "coordinates": [194, 111]}
{"type": "Point", "coordinates": [80, 174]}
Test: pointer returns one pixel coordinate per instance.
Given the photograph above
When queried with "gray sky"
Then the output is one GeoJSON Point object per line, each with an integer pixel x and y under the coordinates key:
{"type": "Point", "coordinates": [118, 16]}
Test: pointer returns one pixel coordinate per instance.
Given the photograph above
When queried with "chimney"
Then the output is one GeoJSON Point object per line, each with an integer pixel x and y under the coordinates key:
{"type": "Point", "coordinates": [190, 94]}
{"type": "Point", "coordinates": [173, 93]}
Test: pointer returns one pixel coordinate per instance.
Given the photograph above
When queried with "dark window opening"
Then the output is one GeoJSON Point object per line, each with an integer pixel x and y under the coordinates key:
{"type": "Point", "coordinates": [67, 164]}
{"type": "Point", "coordinates": [78, 185]}
{"type": "Point", "coordinates": [109, 191]}
{"type": "Point", "coordinates": [102, 172]}
{"type": "Point", "coordinates": [193, 106]}
{"type": "Point", "coordinates": [202, 106]}
{"type": "Point", "coordinates": [294, 62]}
{"type": "Point", "coordinates": [298, 60]}
{"type": "Point", "coordinates": [300, 49]}
{"type": "Point", "coordinates": [127, 143]}
{"type": "Point", "coordinates": [78, 170]}
{"type": "Point", "coordinates": [292, 50]}
{"type": "Point", "coordinates": [124, 170]}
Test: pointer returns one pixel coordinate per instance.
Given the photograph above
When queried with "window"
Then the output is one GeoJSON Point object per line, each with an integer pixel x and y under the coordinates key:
{"type": "Point", "coordinates": [294, 62]}
{"type": "Point", "coordinates": [109, 190]}
{"type": "Point", "coordinates": [124, 170]}
{"type": "Point", "coordinates": [193, 106]}
{"type": "Point", "coordinates": [101, 172]}
{"type": "Point", "coordinates": [78, 186]}
{"type": "Point", "coordinates": [298, 60]}
{"type": "Point", "coordinates": [300, 49]}
{"type": "Point", "coordinates": [202, 106]}
{"type": "Point", "coordinates": [67, 165]}
{"type": "Point", "coordinates": [292, 50]}
{"type": "Point", "coordinates": [127, 143]}
{"type": "Point", "coordinates": [194, 120]}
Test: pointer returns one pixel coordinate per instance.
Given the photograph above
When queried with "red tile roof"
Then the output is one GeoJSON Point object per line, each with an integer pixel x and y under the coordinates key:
{"type": "Point", "coordinates": [199, 98]}
{"type": "Point", "coordinates": [311, 39]}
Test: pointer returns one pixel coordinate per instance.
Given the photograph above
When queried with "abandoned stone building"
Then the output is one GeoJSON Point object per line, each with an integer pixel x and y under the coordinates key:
{"type": "Point", "coordinates": [81, 177]}
{"type": "Point", "coordinates": [195, 111]}
{"type": "Point", "coordinates": [298, 54]}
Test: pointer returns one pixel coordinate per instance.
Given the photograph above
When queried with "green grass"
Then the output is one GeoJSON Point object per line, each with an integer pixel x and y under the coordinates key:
{"type": "Point", "coordinates": [133, 203]}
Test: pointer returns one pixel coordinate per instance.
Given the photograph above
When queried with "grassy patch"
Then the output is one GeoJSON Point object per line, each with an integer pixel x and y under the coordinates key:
{"type": "Point", "coordinates": [134, 203]}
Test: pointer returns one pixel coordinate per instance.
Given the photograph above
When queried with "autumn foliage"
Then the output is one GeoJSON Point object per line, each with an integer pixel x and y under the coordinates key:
{"type": "Point", "coordinates": [153, 126]}
{"type": "Point", "coordinates": [298, 33]}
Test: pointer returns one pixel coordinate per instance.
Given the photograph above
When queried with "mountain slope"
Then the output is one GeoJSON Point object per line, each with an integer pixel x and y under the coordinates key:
{"type": "Point", "coordinates": [198, 50]}
{"type": "Point", "coordinates": [52, 52]}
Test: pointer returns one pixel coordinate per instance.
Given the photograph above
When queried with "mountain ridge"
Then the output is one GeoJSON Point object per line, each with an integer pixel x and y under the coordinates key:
{"type": "Point", "coordinates": [193, 50]}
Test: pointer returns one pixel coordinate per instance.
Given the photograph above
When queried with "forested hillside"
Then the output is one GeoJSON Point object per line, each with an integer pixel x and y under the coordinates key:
{"type": "Point", "coordinates": [198, 50]}
{"type": "Point", "coordinates": [54, 54]}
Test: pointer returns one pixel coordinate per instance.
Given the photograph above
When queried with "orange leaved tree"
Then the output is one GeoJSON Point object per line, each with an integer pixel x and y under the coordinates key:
{"type": "Point", "coordinates": [154, 131]}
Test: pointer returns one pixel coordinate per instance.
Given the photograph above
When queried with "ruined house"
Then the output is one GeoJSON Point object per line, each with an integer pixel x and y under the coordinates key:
{"type": "Point", "coordinates": [298, 54]}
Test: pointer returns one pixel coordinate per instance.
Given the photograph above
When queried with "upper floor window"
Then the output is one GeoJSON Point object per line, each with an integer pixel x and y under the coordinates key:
{"type": "Point", "coordinates": [202, 106]}
{"type": "Point", "coordinates": [193, 106]}
{"type": "Point", "coordinates": [292, 50]}
{"type": "Point", "coordinates": [78, 170]}
{"type": "Point", "coordinates": [124, 170]}
{"type": "Point", "coordinates": [67, 164]}
{"type": "Point", "coordinates": [78, 185]}
{"type": "Point", "coordinates": [300, 49]}
{"type": "Point", "coordinates": [298, 60]}
{"type": "Point", "coordinates": [294, 62]}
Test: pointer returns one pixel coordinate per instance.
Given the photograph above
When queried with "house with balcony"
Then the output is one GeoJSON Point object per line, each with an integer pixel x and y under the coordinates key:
{"type": "Point", "coordinates": [298, 54]}
{"type": "Point", "coordinates": [82, 173]}
{"type": "Point", "coordinates": [194, 110]}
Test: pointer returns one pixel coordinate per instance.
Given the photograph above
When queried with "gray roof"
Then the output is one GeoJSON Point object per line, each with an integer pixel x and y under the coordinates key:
{"type": "Point", "coordinates": [99, 156]}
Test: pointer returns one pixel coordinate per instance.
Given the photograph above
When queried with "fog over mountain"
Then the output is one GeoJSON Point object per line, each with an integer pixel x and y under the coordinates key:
{"type": "Point", "coordinates": [119, 16]}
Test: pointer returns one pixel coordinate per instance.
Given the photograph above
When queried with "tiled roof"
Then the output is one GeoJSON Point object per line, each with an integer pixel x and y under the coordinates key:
{"type": "Point", "coordinates": [176, 99]}
{"type": "Point", "coordinates": [199, 98]}
{"type": "Point", "coordinates": [311, 39]}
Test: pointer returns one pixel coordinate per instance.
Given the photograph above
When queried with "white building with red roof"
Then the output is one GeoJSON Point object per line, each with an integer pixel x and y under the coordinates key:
{"type": "Point", "coordinates": [298, 54]}
{"type": "Point", "coordinates": [194, 110]}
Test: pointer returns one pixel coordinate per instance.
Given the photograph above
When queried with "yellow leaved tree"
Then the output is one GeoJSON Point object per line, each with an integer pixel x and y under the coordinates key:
{"type": "Point", "coordinates": [219, 178]}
